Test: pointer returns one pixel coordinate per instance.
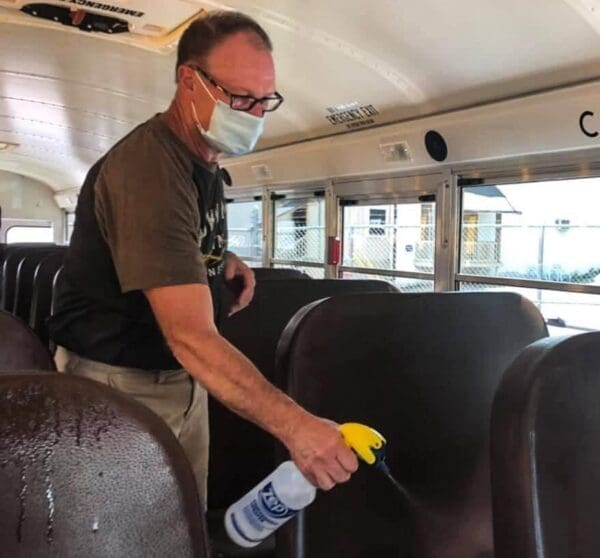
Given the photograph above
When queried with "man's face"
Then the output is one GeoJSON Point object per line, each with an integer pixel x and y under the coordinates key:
{"type": "Point", "coordinates": [239, 66]}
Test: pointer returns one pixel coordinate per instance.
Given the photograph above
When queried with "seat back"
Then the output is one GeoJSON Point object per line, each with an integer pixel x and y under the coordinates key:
{"type": "Point", "coordinates": [262, 273]}
{"type": "Point", "coordinates": [13, 256]}
{"type": "Point", "coordinates": [8, 282]}
{"type": "Point", "coordinates": [546, 451]}
{"type": "Point", "coordinates": [41, 300]}
{"type": "Point", "coordinates": [423, 370]}
{"type": "Point", "coordinates": [25, 281]}
{"type": "Point", "coordinates": [7, 248]}
{"type": "Point", "coordinates": [89, 472]}
{"type": "Point", "coordinates": [241, 453]}
{"type": "Point", "coordinates": [20, 348]}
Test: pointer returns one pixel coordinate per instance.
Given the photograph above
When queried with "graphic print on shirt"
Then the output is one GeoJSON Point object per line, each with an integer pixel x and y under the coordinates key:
{"type": "Point", "coordinates": [213, 222]}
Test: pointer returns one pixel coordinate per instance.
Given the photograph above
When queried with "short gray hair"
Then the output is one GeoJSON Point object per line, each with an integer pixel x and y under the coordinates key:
{"type": "Point", "coordinates": [207, 32]}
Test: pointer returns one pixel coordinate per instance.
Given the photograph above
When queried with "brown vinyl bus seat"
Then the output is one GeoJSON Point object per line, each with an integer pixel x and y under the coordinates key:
{"type": "Point", "coordinates": [7, 248]}
{"type": "Point", "coordinates": [422, 369]}
{"type": "Point", "coordinates": [241, 454]}
{"type": "Point", "coordinates": [275, 273]}
{"type": "Point", "coordinates": [26, 274]}
{"type": "Point", "coordinates": [20, 347]}
{"type": "Point", "coordinates": [546, 451]}
{"type": "Point", "coordinates": [88, 472]}
{"type": "Point", "coordinates": [13, 255]}
{"type": "Point", "coordinates": [43, 288]}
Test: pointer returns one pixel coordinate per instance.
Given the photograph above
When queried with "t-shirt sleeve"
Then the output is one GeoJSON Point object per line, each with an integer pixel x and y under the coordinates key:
{"type": "Point", "coordinates": [148, 215]}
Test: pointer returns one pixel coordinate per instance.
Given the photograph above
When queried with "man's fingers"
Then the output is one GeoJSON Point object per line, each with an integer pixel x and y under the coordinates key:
{"type": "Point", "coordinates": [318, 448]}
{"type": "Point", "coordinates": [235, 269]}
{"type": "Point", "coordinates": [246, 296]}
{"type": "Point", "coordinates": [319, 479]}
{"type": "Point", "coordinates": [249, 279]}
{"type": "Point", "coordinates": [311, 478]}
{"type": "Point", "coordinates": [242, 301]}
{"type": "Point", "coordinates": [229, 272]}
{"type": "Point", "coordinates": [324, 480]}
{"type": "Point", "coordinates": [337, 472]}
{"type": "Point", "coordinates": [234, 309]}
{"type": "Point", "coordinates": [348, 461]}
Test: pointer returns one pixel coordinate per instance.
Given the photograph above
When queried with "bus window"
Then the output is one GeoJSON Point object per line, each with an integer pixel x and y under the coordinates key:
{"type": "Point", "coordinates": [20, 233]}
{"type": "Point", "coordinates": [390, 242]}
{"type": "Point", "coordinates": [299, 240]}
{"type": "Point", "coordinates": [538, 239]}
{"type": "Point", "coordinates": [245, 231]}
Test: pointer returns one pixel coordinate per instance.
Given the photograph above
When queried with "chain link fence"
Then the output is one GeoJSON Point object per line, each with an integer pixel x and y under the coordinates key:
{"type": "Point", "coordinates": [301, 244]}
{"type": "Point", "coordinates": [245, 242]}
{"type": "Point", "coordinates": [565, 254]}
{"type": "Point", "coordinates": [390, 247]}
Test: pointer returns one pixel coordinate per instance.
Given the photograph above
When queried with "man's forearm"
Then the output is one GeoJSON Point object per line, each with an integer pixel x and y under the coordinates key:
{"type": "Point", "coordinates": [231, 378]}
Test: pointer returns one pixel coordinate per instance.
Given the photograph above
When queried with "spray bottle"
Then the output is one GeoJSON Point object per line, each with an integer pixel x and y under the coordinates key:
{"type": "Point", "coordinates": [285, 492]}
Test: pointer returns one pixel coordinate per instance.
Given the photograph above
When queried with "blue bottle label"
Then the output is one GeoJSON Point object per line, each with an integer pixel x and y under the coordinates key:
{"type": "Point", "coordinates": [262, 515]}
{"type": "Point", "coordinates": [272, 504]}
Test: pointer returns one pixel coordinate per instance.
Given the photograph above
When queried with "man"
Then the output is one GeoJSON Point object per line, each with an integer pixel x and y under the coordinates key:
{"type": "Point", "coordinates": [134, 309]}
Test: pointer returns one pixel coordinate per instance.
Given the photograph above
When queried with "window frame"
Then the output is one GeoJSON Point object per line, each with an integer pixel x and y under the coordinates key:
{"type": "Point", "coordinates": [245, 197]}
{"type": "Point", "coordinates": [391, 273]}
{"type": "Point", "coordinates": [507, 281]}
{"type": "Point", "coordinates": [421, 188]}
{"type": "Point", "coordinates": [504, 177]}
{"type": "Point", "coordinates": [298, 192]}
{"type": "Point", "coordinates": [445, 182]}
{"type": "Point", "coordinates": [29, 224]}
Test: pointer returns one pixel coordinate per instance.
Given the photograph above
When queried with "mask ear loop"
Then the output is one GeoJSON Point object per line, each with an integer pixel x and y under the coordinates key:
{"type": "Point", "coordinates": [194, 104]}
{"type": "Point", "coordinates": [196, 119]}
{"type": "Point", "coordinates": [204, 85]}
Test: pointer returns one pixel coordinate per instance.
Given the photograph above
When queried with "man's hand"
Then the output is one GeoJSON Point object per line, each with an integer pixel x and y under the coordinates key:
{"type": "Point", "coordinates": [318, 449]}
{"type": "Point", "coordinates": [237, 272]}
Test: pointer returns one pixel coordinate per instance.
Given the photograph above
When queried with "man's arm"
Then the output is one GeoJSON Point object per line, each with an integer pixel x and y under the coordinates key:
{"type": "Point", "coordinates": [184, 313]}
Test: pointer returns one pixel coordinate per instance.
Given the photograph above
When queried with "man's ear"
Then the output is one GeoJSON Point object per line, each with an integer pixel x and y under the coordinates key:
{"type": "Point", "coordinates": [185, 78]}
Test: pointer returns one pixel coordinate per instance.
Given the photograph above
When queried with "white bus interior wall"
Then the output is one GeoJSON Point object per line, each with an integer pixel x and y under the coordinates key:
{"type": "Point", "coordinates": [26, 203]}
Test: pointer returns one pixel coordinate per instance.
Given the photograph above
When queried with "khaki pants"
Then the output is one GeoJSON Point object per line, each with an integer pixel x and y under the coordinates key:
{"type": "Point", "coordinates": [172, 394]}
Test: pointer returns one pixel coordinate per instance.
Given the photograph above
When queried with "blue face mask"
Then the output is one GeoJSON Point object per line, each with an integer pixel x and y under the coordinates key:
{"type": "Point", "coordinates": [233, 132]}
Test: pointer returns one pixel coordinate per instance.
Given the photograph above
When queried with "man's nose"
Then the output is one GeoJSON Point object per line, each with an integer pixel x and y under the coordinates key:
{"type": "Point", "coordinates": [257, 110]}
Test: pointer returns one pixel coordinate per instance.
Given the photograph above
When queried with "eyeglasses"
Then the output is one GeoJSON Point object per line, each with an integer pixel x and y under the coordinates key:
{"type": "Point", "coordinates": [244, 102]}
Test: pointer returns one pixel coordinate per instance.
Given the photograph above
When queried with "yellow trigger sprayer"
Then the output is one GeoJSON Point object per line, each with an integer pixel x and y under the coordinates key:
{"type": "Point", "coordinates": [286, 491]}
{"type": "Point", "coordinates": [369, 445]}
{"type": "Point", "coordinates": [366, 442]}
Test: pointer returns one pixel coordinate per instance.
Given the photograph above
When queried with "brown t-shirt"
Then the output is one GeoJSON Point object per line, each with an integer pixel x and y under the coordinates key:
{"type": "Point", "coordinates": [150, 214]}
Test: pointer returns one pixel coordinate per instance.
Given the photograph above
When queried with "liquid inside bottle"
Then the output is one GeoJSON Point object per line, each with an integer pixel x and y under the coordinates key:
{"type": "Point", "coordinates": [270, 504]}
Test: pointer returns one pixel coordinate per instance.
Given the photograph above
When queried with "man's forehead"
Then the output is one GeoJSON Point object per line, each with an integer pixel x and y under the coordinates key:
{"type": "Point", "coordinates": [240, 58]}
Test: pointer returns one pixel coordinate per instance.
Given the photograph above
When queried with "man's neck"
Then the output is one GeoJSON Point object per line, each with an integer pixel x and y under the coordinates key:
{"type": "Point", "coordinates": [189, 136]}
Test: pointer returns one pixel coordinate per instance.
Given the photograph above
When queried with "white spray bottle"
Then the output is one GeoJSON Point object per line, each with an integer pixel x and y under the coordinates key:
{"type": "Point", "coordinates": [285, 492]}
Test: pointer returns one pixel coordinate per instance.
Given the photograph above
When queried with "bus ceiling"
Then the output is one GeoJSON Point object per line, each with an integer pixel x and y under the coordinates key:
{"type": "Point", "coordinates": [346, 69]}
{"type": "Point", "coordinates": [145, 18]}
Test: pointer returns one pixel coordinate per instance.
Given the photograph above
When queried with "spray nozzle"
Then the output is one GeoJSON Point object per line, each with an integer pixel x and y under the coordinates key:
{"type": "Point", "coordinates": [366, 442]}
{"type": "Point", "coordinates": [369, 445]}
